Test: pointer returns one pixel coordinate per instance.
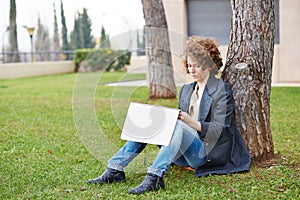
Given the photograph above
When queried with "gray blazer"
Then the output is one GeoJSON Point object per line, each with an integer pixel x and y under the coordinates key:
{"type": "Point", "coordinates": [225, 147]}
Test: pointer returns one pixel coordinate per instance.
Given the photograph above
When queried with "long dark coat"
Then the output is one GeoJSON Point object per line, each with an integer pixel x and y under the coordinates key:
{"type": "Point", "coordinates": [225, 147]}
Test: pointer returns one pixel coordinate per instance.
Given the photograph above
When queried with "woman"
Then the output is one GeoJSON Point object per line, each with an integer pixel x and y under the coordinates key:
{"type": "Point", "coordinates": [205, 137]}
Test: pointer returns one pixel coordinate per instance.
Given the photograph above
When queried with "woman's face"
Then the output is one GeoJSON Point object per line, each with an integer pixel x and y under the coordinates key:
{"type": "Point", "coordinates": [196, 71]}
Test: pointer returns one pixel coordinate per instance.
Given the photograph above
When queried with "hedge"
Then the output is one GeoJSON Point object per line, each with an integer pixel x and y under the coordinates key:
{"type": "Point", "coordinates": [101, 59]}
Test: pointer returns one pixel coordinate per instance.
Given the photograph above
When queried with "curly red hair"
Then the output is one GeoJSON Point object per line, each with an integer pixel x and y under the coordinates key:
{"type": "Point", "coordinates": [205, 51]}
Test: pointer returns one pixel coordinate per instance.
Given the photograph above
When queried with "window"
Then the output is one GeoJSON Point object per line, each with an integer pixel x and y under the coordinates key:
{"type": "Point", "coordinates": [212, 18]}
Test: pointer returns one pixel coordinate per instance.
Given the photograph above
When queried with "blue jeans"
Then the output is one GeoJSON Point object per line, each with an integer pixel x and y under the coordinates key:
{"type": "Point", "coordinates": [185, 149]}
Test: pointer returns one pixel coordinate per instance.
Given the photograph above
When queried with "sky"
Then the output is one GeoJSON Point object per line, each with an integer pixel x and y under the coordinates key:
{"type": "Point", "coordinates": [117, 17]}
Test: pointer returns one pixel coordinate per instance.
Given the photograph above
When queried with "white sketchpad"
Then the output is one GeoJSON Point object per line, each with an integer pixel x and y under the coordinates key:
{"type": "Point", "coordinates": [149, 124]}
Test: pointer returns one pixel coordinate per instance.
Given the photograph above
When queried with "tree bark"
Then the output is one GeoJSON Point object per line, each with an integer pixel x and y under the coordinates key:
{"type": "Point", "coordinates": [13, 39]}
{"type": "Point", "coordinates": [248, 69]}
{"type": "Point", "coordinates": [161, 77]}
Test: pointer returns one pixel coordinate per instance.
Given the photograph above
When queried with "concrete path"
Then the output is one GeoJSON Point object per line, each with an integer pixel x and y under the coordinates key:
{"type": "Point", "coordinates": [146, 83]}
{"type": "Point", "coordinates": [134, 83]}
{"type": "Point", "coordinates": [129, 83]}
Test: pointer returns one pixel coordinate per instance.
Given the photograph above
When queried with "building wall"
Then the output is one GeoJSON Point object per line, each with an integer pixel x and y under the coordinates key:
{"type": "Point", "coordinates": [289, 53]}
{"type": "Point", "coordinates": [286, 55]}
{"type": "Point", "coordinates": [20, 70]}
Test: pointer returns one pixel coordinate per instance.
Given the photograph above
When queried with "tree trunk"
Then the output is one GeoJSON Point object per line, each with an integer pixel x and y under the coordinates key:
{"type": "Point", "coordinates": [248, 69]}
{"type": "Point", "coordinates": [161, 78]}
{"type": "Point", "coordinates": [13, 39]}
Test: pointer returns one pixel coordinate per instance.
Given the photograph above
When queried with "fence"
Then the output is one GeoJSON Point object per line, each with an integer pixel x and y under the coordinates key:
{"type": "Point", "coordinates": [36, 56]}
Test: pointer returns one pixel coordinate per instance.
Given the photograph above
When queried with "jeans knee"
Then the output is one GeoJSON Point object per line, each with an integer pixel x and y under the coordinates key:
{"type": "Point", "coordinates": [177, 134]}
{"type": "Point", "coordinates": [179, 125]}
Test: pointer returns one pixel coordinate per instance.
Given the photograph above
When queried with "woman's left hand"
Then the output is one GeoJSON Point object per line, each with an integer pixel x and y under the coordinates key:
{"type": "Point", "coordinates": [189, 121]}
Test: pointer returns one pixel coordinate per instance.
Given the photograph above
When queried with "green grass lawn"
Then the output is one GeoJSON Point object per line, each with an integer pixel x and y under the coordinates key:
{"type": "Point", "coordinates": [44, 157]}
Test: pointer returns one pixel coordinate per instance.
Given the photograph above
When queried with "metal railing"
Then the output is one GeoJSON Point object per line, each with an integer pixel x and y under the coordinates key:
{"type": "Point", "coordinates": [36, 56]}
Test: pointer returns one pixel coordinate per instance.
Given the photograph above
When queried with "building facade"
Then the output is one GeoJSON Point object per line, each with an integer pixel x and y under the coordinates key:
{"type": "Point", "coordinates": [212, 18]}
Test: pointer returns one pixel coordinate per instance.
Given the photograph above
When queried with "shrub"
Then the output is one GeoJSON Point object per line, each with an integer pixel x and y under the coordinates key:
{"type": "Point", "coordinates": [79, 56]}
{"type": "Point", "coordinates": [101, 59]}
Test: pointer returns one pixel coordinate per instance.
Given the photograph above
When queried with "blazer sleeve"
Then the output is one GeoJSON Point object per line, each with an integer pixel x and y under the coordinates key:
{"type": "Point", "coordinates": [221, 113]}
{"type": "Point", "coordinates": [179, 97]}
{"type": "Point", "coordinates": [184, 97]}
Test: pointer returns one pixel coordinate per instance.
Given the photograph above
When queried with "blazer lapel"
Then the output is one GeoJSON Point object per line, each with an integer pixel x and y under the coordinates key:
{"type": "Point", "coordinates": [206, 101]}
{"type": "Point", "coordinates": [186, 101]}
{"type": "Point", "coordinates": [205, 105]}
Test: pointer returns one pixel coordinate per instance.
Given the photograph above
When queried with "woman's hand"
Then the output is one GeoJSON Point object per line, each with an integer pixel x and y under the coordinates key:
{"type": "Point", "coordinates": [189, 121]}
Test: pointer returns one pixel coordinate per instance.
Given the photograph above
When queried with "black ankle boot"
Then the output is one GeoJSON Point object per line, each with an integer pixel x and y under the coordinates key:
{"type": "Point", "coordinates": [152, 182]}
{"type": "Point", "coordinates": [109, 176]}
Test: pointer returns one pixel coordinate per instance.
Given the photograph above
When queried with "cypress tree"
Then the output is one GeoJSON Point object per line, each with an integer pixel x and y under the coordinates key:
{"type": "Point", "coordinates": [75, 35]}
{"type": "Point", "coordinates": [104, 39]}
{"type": "Point", "coordinates": [55, 43]}
{"type": "Point", "coordinates": [65, 44]}
{"type": "Point", "coordinates": [87, 30]}
{"type": "Point", "coordinates": [42, 42]}
{"type": "Point", "coordinates": [81, 36]}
